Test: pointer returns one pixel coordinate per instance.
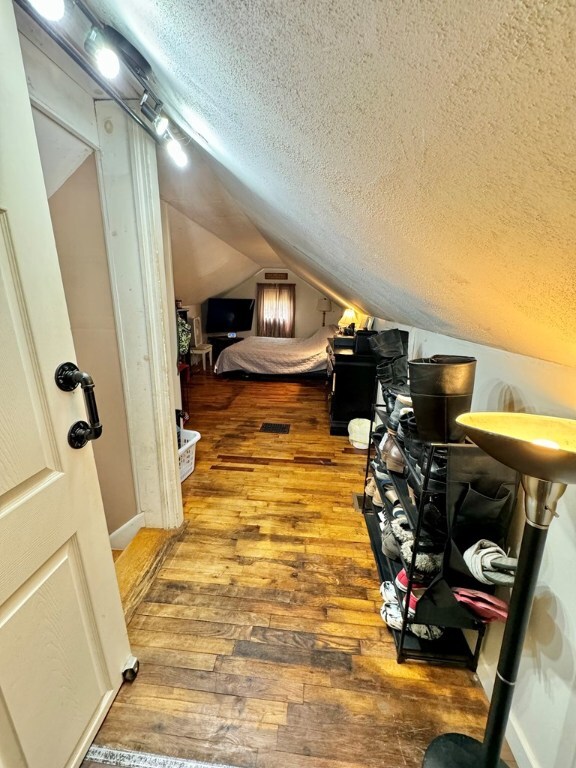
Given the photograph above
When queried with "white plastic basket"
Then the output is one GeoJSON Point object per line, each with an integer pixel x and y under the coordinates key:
{"type": "Point", "coordinates": [187, 454]}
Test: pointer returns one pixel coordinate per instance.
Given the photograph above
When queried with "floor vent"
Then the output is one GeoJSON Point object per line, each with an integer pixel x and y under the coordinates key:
{"type": "Point", "coordinates": [280, 429]}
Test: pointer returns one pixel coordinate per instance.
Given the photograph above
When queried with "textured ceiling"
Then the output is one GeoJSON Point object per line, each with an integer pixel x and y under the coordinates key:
{"type": "Point", "coordinates": [416, 157]}
{"type": "Point", "coordinates": [199, 195]}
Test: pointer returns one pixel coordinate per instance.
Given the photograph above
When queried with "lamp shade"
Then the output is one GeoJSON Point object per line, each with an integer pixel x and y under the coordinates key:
{"type": "Point", "coordinates": [347, 318]}
{"type": "Point", "coordinates": [538, 446]}
{"type": "Point", "coordinates": [324, 305]}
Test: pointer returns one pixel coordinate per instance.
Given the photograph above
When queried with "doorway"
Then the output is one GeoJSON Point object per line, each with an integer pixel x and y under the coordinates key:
{"type": "Point", "coordinates": [69, 167]}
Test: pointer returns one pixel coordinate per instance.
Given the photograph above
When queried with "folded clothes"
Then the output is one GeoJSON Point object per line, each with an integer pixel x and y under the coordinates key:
{"type": "Point", "coordinates": [486, 607]}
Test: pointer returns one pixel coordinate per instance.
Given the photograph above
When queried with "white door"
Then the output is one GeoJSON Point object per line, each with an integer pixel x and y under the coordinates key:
{"type": "Point", "coordinates": [63, 639]}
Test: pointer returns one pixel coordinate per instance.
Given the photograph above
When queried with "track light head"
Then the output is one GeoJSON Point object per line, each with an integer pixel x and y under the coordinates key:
{"type": "Point", "coordinates": [104, 55]}
{"type": "Point", "coordinates": [154, 114]}
{"type": "Point", "coordinates": [53, 10]}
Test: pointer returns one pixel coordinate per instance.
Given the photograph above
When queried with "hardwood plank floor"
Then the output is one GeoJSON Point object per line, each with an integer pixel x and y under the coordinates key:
{"type": "Point", "coordinates": [260, 639]}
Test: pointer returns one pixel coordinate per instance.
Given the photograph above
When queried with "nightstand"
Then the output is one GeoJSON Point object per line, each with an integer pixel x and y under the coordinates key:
{"type": "Point", "coordinates": [352, 380]}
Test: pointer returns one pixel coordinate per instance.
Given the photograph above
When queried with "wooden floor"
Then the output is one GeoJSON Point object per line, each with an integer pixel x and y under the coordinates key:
{"type": "Point", "coordinates": [260, 641]}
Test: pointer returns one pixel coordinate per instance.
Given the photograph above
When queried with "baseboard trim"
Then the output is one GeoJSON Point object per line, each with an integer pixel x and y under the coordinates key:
{"type": "Point", "coordinates": [121, 537]}
{"type": "Point", "coordinates": [515, 735]}
{"type": "Point", "coordinates": [128, 759]}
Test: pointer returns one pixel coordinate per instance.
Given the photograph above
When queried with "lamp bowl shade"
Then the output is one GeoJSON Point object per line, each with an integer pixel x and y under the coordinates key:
{"type": "Point", "coordinates": [539, 446]}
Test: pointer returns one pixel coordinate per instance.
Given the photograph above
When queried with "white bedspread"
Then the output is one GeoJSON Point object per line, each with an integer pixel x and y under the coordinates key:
{"type": "Point", "coordinates": [261, 354]}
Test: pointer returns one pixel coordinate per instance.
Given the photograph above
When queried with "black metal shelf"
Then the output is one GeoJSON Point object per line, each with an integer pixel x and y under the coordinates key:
{"type": "Point", "coordinates": [450, 649]}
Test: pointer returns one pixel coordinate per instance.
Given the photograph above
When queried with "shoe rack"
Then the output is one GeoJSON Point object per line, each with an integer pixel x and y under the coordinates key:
{"type": "Point", "coordinates": [465, 464]}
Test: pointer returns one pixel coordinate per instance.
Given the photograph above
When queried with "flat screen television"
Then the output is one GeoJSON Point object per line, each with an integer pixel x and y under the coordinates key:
{"type": "Point", "coordinates": [229, 315]}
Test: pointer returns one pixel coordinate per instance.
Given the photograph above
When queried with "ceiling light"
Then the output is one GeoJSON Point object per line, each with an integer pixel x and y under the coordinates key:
{"type": "Point", "coordinates": [108, 62]}
{"type": "Point", "coordinates": [53, 10]}
{"type": "Point", "coordinates": [153, 114]}
{"type": "Point", "coordinates": [106, 59]}
{"type": "Point", "coordinates": [177, 153]}
{"type": "Point", "coordinates": [161, 125]}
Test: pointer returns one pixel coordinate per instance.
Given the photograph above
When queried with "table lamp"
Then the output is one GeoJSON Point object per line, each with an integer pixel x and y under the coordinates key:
{"type": "Point", "coordinates": [543, 450]}
{"type": "Point", "coordinates": [347, 319]}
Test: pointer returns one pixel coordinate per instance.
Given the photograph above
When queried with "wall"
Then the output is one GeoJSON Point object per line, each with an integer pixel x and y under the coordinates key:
{"type": "Point", "coordinates": [203, 264]}
{"type": "Point", "coordinates": [308, 319]}
{"type": "Point", "coordinates": [541, 731]}
{"type": "Point", "coordinates": [76, 218]}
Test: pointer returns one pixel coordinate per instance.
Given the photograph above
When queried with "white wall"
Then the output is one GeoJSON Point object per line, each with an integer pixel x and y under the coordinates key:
{"type": "Point", "coordinates": [543, 717]}
{"type": "Point", "coordinates": [77, 221]}
{"type": "Point", "coordinates": [203, 264]}
{"type": "Point", "coordinates": [308, 319]}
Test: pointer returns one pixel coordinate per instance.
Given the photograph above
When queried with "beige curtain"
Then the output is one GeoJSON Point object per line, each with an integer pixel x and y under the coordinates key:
{"type": "Point", "coordinates": [275, 310]}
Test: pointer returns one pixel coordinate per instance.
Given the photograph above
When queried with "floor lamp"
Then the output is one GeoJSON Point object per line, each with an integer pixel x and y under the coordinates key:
{"type": "Point", "coordinates": [324, 305]}
{"type": "Point", "coordinates": [543, 450]}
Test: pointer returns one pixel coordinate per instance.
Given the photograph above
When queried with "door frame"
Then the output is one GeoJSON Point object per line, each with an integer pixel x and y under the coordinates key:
{"type": "Point", "coordinates": [147, 381]}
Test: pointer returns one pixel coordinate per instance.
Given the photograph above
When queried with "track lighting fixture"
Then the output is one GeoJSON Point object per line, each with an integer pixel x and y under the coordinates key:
{"type": "Point", "coordinates": [107, 54]}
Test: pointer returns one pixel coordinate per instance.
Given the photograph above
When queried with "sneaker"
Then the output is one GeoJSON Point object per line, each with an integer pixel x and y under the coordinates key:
{"type": "Point", "coordinates": [388, 593]}
{"type": "Point", "coordinates": [418, 586]}
{"type": "Point", "coordinates": [391, 615]}
{"type": "Point", "coordinates": [380, 472]}
{"type": "Point", "coordinates": [412, 602]}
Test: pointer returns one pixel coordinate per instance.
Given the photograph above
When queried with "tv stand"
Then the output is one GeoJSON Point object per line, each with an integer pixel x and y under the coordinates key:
{"type": "Point", "coordinates": [221, 342]}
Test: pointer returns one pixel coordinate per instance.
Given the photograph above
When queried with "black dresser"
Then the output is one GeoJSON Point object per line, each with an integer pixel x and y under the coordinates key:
{"type": "Point", "coordinates": [352, 381]}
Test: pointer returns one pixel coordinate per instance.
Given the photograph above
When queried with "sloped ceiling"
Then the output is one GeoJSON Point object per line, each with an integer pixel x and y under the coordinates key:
{"type": "Point", "coordinates": [204, 265]}
{"type": "Point", "coordinates": [417, 158]}
{"type": "Point", "coordinates": [199, 195]}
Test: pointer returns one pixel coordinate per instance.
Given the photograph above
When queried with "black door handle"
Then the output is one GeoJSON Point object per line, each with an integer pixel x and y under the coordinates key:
{"type": "Point", "coordinates": [68, 376]}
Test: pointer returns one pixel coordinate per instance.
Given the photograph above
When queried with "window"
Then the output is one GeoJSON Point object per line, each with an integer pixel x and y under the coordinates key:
{"type": "Point", "coordinates": [275, 309]}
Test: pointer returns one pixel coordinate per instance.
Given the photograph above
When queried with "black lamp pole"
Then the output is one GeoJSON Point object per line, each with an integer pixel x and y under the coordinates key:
{"type": "Point", "coordinates": [455, 750]}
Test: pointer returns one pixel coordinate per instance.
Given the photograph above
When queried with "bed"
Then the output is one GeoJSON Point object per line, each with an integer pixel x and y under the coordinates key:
{"type": "Point", "coordinates": [264, 355]}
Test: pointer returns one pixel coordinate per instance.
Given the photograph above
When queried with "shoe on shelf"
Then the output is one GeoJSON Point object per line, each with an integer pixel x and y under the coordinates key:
{"type": "Point", "coordinates": [412, 603]}
{"type": "Point", "coordinates": [392, 616]}
{"type": "Point", "coordinates": [385, 445]}
{"type": "Point", "coordinates": [395, 460]}
{"type": "Point", "coordinates": [402, 531]}
{"type": "Point", "coordinates": [389, 545]}
{"type": "Point", "coordinates": [370, 487]}
{"type": "Point", "coordinates": [377, 499]}
{"type": "Point", "coordinates": [402, 401]}
{"type": "Point", "coordinates": [397, 512]}
{"type": "Point", "coordinates": [388, 593]}
{"type": "Point", "coordinates": [419, 585]}
{"type": "Point", "coordinates": [402, 433]}
{"type": "Point", "coordinates": [427, 564]}
{"type": "Point", "coordinates": [380, 471]}
{"type": "Point", "coordinates": [392, 496]}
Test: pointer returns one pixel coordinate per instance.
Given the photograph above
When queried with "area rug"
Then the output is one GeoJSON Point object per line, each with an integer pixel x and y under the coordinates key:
{"type": "Point", "coordinates": [127, 759]}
